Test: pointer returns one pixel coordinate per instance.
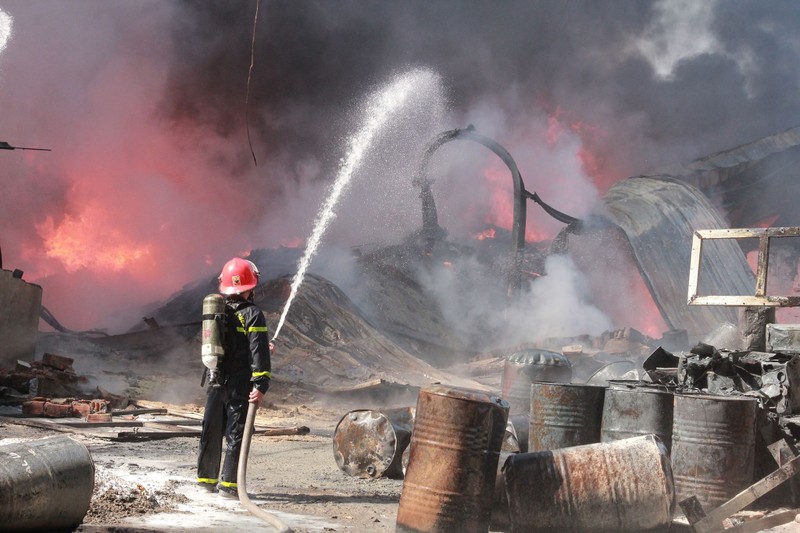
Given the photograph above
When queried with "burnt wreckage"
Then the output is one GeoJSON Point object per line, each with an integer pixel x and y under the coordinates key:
{"type": "Point", "coordinates": [714, 426]}
{"type": "Point", "coordinates": [620, 432]}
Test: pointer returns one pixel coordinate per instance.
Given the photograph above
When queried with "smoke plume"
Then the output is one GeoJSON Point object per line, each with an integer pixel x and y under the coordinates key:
{"type": "Point", "coordinates": [151, 183]}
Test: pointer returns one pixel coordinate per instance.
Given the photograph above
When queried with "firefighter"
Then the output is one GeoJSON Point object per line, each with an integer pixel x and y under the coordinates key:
{"type": "Point", "coordinates": [244, 376]}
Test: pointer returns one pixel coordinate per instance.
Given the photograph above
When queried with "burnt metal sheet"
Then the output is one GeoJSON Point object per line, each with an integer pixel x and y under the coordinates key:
{"type": "Point", "coordinates": [765, 169]}
{"type": "Point", "coordinates": [19, 318]}
{"type": "Point", "coordinates": [659, 216]}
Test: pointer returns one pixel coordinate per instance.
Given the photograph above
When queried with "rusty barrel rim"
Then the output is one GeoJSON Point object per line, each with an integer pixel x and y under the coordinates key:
{"type": "Point", "coordinates": [466, 394]}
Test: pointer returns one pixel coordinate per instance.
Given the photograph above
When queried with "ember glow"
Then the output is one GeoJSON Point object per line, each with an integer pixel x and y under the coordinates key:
{"type": "Point", "coordinates": [488, 233]}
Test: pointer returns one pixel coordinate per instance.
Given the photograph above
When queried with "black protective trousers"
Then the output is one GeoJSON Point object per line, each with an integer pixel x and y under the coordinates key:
{"type": "Point", "coordinates": [225, 415]}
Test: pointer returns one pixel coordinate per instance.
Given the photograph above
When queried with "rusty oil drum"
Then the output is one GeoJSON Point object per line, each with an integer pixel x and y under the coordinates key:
{"type": "Point", "coordinates": [370, 444]}
{"type": "Point", "coordinates": [523, 367]}
{"type": "Point", "coordinates": [500, 520]}
{"type": "Point", "coordinates": [564, 415]}
{"type": "Point", "coordinates": [713, 446]}
{"type": "Point", "coordinates": [633, 409]}
{"type": "Point", "coordinates": [453, 457]}
{"type": "Point", "coordinates": [625, 485]}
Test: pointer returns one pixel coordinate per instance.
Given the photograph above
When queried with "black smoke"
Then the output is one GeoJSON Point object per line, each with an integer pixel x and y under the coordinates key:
{"type": "Point", "coordinates": [312, 57]}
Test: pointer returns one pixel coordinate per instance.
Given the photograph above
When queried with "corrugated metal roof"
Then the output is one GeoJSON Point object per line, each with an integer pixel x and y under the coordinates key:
{"type": "Point", "coordinates": [659, 216]}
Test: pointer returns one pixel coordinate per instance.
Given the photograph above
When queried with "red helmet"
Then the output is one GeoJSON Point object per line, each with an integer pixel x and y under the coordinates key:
{"type": "Point", "coordinates": [238, 275]}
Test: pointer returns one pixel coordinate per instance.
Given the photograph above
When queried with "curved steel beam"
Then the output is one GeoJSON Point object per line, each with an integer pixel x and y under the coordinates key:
{"type": "Point", "coordinates": [430, 220]}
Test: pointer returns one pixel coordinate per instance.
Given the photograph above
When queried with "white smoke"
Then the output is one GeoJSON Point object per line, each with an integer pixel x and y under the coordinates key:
{"type": "Point", "coordinates": [680, 30]}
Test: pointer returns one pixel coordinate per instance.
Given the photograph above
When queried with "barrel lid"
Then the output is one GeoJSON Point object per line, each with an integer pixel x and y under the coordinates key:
{"type": "Point", "coordinates": [365, 443]}
{"type": "Point", "coordinates": [461, 393]}
{"type": "Point", "coordinates": [534, 356]}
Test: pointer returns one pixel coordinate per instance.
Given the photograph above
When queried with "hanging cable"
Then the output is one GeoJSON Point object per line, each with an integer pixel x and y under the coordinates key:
{"type": "Point", "coordinates": [249, 76]}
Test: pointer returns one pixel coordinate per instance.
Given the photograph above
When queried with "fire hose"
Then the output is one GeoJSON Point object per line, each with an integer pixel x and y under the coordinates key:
{"type": "Point", "coordinates": [241, 475]}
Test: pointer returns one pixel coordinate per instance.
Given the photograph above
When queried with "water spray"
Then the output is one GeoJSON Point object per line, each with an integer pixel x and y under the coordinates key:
{"type": "Point", "coordinates": [380, 107]}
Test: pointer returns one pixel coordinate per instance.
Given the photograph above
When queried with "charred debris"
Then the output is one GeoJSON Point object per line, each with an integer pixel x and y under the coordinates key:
{"type": "Point", "coordinates": [611, 432]}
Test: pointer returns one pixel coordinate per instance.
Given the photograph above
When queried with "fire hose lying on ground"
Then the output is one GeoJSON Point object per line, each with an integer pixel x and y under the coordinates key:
{"type": "Point", "coordinates": [241, 475]}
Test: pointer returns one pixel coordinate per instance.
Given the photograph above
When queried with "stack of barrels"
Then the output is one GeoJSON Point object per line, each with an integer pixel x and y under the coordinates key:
{"type": "Point", "coordinates": [595, 458]}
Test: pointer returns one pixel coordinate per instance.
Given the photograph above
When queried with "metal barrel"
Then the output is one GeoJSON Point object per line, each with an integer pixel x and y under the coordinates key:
{"type": "Point", "coordinates": [633, 410]}
{"type": "Point", "coordinates": [521, 424]}
{"type": "Point", "coordinates": [453, 457]}
{"type": "Point", "coordinates": [523, 367]}
{"type": "Point", "coordinates": [45, 484]}
{"type": "Point", "coordinates": [500, 520]}
{"type": "Point", "coordinates": [370, 444]}
{"type": "Point", "coordinates": [625, 485]}
{"type": "Point", "coordinates": [713, 447]}
{"type": "Point", "coordinates": [564, 415]}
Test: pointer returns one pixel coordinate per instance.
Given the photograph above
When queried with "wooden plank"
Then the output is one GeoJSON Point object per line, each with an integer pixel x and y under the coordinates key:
{"type": "Point", "coordinates": [145, 435]}
{"type": "Point", "coordinates": [277, 432]}
{"type": "Point", "coordinates": [760, 524]}
{"type": "Point", "coordinates": [169, 428]}
{"type": "Point", "coordinates": [714, 518]}
{"type": "Point", "coordinates": [36, 423]}
{"type": "Point", "coordinates": [80, 423]}
{"type": "Point", "coordinates": [173, 422]}
{"type": "Point", "coordinates": [136, 412]}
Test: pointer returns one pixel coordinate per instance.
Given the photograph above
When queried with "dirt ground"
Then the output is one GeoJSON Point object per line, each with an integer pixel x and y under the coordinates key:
{"type": "Point", "coordinates": [150, 485]}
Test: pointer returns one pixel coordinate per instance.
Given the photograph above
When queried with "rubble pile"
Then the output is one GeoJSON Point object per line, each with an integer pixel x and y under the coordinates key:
{"type": "Point", "coordinates": [51, 388]}
{"type": "Point", "coordinates": [772, 378]}
{"type": "Point", "coordinates": [53, 376]}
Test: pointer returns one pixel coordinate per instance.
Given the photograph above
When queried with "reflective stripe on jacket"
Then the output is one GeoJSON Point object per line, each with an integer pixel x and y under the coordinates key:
{"type": "Point", "coordinates": [249, 347]}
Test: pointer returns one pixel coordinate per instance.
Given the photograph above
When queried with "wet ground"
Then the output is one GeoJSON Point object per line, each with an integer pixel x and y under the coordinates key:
{"type": "Point", "coordinates": [150, 485]}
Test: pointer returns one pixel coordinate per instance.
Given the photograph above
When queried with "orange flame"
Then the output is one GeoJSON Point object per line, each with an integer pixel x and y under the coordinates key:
{"type": "Point", "coordinates": [90, 240]}
{"type": "Point", "coordinates": [488, 233]}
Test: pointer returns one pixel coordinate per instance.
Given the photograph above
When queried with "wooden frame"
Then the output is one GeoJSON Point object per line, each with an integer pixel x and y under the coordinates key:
{"type": "Point", "coordinates": [760, 298]}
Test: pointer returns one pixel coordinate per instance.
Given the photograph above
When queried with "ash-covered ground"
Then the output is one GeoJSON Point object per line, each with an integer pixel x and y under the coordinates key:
{"type": "Point", "coordinates": [150, 485]}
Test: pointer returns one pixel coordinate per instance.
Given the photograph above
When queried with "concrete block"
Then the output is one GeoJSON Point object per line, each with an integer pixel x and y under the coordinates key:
{"type": "Point", "coordinates": [20, 307]}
